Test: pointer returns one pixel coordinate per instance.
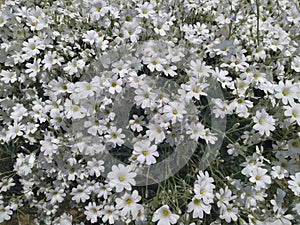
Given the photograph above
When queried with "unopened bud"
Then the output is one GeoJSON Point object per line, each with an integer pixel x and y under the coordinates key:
{"type": "Point", "coordinates": [235, 125]}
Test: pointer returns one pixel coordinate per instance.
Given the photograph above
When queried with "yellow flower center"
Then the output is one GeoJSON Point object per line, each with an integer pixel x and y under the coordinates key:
{"type": "Point", "coordinates": [196, 201]}
{"type": "Point", "coordinates": [128, 201]}
{"type": "Point", "coordinates": [284, 92]}
{"type": "Point", "coordinates": [294, 114]}
{"type": "Point", "coordinates": [75, 108]}
{"type": "Point", "coordinates": [200, 70]}
{"type": "Point", "coordinates": [88, 87]}
{"type": "Point", "coordinates": [240, 86]}
{"type": "Point", "coordinates": [165, 212]}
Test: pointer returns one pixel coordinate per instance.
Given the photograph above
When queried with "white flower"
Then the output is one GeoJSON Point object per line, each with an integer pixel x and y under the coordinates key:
{"type": "Point", "coordinates": [174, 111]}
{"type": "Point", "coordinates": [92, 212]}
{"type": "Point", "coordinates": [155, 63]}
{"type": "Point", "coordinates": [220, 108]}
{"type": "Point", "coordinates": [24, 164]}
{"type": "Point", "coordinates": [121, 177]}
{"type": "Point", "coordinates": [296, 64]}
{"type": "Point", "coordinates": [156, 133]}
{"type": "Point", "coordinates": [49, 145]}
{"type": "Point", "coordinates": [164, 216]}
{"type": "Point", "coordinates": [260, 178]}
{"type": "Point", "coordinates": [229, 213]}
{"type": "Point", "coordinates": [293, 111]}
{"type": "Point", "coordinates": [95, 167]}
{"type": "Point", "coordinates": [224, 197]}
{"type": "Point", "coordinates": [297, 208]}
{"type": "Point", "coordinates": [264, 122]}
{"type": "Point", "coordinates": [115, 136]}
{"type": "Point", "coordinates": [145, 10]}
{"type": "Point", "coordinates": [110, 214]}
{"type": "Point", "coordinates": [50, 59]}
{"type": "Point", "coordinates": [278, 200]}
{"type": "Point", "coordinates": [286, 92]}
{"type": "Point", "coordinates": [8, 76]}
{"type": "Point", "coordinates": [197, 206]}
{"type": "Point", "coordinates": [145, 152]}
{"type": "Point", "coordinates": [74, 66]}
{"type": "Point", "coordinates": [200, 69]}
{"type": "Point", "coordinates": [104, 191]}
{"type": "Point", "coordinates": [15, 130]}
{"type": "Point", "coordinates": [204, 187]}
{"type": "Point", "coordinates": [160, 26]}
{"type": "Point", "coordinates": [294, 146]}
{"type": "Point", "coordinates": [240, 105]}
{"type": "Point", "coordinates": [203, 177]}
{"type": "Point", "coordinates": [32, 47]}
{"type": "Point", "coordinates": [64, 219]}
{"type": "Point", "coordinates": [144, 97]}
{"type": "Point", "coordinates": [204, 191]}
{"type": "Point", "coordinates": [136, 81]}
{"type": "Point", "coordinates": [5, 213]}
{"type": "Point", "coordinates": [252, 162]}
{"type": "Point", "coordinates": [169, 70]}
{"type": "Point", "coordinates": [6, 184]}
{"type": "Point", "coordinates": [294, 183]}
{"type": "Point", "coordinates": [19, 111]}
{"type": "Point", "coordinates": [33, 68]}
{"type": "Point", "coordinates": [209, 137]}
{"type": "Point", "coordinates": [281, 218]}
{"type": "Point", "coordinates": [56, 195]}
{"type": "Point", "coordinates": [221, 75]}
{"type": "Point", "coordinates": [128, 204]}
{"type": "Point", "coordinates": [90, 37]}
{"type": "Point", "coordinates": [81, 193]}
{"type": "Point", "coordinates": [136, 124]}
{"type": "Point", "coordinates": [73, 110]}
{"type": "Point", "coordinates": [195, 88]}
{"type": "Point", "coordinates": [132, 31]}
{"type": "Point", "coordinates": [278, 172]}
{"type": "Point", "coordinates": [114, 85]}
{"type": "Point", "coordinates": [85, 89]}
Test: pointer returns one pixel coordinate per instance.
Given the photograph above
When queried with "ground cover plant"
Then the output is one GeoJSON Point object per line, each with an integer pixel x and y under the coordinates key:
{"type": "Point", "coordinates": [150, 112]}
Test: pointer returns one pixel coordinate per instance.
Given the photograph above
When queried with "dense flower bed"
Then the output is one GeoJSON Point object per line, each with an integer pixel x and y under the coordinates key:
{"type": "Point", "coordinates": [150, 112]}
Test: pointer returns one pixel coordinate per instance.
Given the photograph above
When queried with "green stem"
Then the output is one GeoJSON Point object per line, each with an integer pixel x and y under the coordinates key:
{"type": "Point", "coordinates": [257, 21]}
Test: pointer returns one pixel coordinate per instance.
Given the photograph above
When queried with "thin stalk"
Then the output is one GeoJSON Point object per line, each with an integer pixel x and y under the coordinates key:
{"type": "Point", "coordinates": [257, 21]}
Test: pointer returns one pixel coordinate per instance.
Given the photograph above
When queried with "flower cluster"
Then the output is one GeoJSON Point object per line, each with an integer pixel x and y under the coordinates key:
{"type": "Point", "coordinates": [95, 93]}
